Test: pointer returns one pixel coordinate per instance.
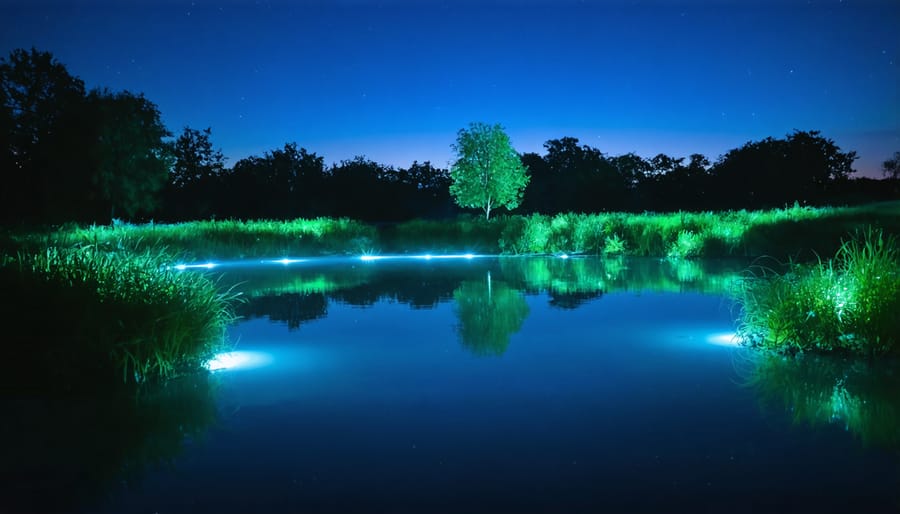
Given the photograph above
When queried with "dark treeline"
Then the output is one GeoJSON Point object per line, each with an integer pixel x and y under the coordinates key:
{"type": "Point", "coordinates": [90, 156]}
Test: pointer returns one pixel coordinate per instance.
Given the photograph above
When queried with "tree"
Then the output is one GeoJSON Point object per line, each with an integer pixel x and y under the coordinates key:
{"type": "Point", "coordinates": [196, 160]}
{"type": "Point", "coordinates": [196, 177]}
{"type": "Point", "coordinates": [131, 158]}
{"type": "Point", "coordinates": [43, 138]}
{"type": "Point", "coordinates": [891, 167]}
{"type": "Point", "coordinates": [803, 167]}
{"type": "Point", "coordinates": [488, 173]}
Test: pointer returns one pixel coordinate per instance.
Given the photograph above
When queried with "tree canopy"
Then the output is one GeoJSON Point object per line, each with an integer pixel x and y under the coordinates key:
{"type": "Point", "coordinates": [488, 173]}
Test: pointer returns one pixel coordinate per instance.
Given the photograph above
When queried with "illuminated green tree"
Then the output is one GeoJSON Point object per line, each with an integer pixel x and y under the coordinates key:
{"type": "Point", "coordinates": [488, 173]}
{"type": "Point", "coordinates": [489, 313]}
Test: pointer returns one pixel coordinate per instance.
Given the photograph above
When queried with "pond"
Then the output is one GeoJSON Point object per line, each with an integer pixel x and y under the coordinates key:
{"type": "Point", "coordinates": [475, 384]}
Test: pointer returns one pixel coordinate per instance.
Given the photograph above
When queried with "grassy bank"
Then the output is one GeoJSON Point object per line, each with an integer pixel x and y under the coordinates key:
{"type": "Point", "coordinates": [90, 317]}
{"type": "Point", "coordinates": [848, 304]}
{"type": "Point", "coordinates": [100, 304]}
{"type": "Point", "coordinates": [798, 232]}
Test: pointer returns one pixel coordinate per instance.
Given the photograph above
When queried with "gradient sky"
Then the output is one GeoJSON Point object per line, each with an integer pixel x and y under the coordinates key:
{"type": "Point", "coordinates": [395, 80]}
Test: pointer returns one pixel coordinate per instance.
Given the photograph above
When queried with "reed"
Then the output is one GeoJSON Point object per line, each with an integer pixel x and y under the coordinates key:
{"type": "Point", "coordinates": [848, 303]}
{"type": "Point", "coordinates": [90, 316]}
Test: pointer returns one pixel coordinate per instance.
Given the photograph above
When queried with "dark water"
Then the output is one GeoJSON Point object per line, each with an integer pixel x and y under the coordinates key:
{"type": "Point", "coordinates": [484, 385]}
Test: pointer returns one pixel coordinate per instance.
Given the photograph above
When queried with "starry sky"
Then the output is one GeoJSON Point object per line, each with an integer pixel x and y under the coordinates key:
{"type": "Point", "coordinates": [394, 80]}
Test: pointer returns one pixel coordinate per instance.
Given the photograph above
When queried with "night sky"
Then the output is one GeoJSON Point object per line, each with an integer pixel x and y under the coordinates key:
{"type": "Point", "coordinates": [395, 80]}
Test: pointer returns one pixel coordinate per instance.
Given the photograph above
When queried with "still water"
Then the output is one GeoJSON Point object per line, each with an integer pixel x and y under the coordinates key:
{"type": "Point", "coordinates": [481, 385]}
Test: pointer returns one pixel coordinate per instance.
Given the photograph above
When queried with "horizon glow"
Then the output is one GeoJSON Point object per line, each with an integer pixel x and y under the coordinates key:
{"type": "Point", "coordinates": [364, 98]}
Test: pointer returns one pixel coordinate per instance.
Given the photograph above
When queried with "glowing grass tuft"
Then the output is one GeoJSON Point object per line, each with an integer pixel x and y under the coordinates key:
{"type": "Point", "coordinates": [849, 303]}
{"type": "Point", "coordinates": [110, 317]}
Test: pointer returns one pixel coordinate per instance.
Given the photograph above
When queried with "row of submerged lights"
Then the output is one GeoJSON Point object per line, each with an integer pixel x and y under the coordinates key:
{"type": "Point", "coordinates": [363, 258]}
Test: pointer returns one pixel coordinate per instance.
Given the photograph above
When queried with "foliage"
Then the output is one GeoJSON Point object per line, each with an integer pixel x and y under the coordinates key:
{"type": "Point", "coordinates": [72, 155]}
{"type": "Point", "coordinates": [800, 167]}
{"type": "Point", "coordinates": [120, 317]}
{"type": "Point", "coordinates": [131, 160]}
{"type": "Point", "coordinates": [686, 245]}
{"type": "Point", "coordinates": [891, 167]}
{"type": "Point", "coordinates": [848, 303]}
{"type": "Point", "coordinates": [41, 106]}
{"type": "Point", "coordinates": [488, 173]}
{"type": "Point", "coordinates": [195, 159]}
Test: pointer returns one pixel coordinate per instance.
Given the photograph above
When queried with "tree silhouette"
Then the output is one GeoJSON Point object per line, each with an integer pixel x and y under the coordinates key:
{"type": "Point", "coordinates": [195, 158]}
{"type": "Point", "coordinates": [488, 173]}
{"type": "Point", "coordinates": [891, 167]}
{"type": "Point", "coordinates": [772, 172]}
{"type": "Point", "coordinates": [489, 313]}
{"type": "Point", "coordinates": [131, 159]}
{"type": "Point", "coordinates": [196, 175]}
{"type": "Point", "coordinates": [42, 105]}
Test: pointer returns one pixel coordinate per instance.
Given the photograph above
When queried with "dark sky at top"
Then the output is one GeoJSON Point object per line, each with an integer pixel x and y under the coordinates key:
{"type": "Point", "coordinates": [395, 80]}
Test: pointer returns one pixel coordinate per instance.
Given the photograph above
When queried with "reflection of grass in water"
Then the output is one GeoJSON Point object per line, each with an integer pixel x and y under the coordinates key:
{"type": "Point", "coordinates": [108, 318]}
{"type": "Point", "coordinates": [586, 275]}
{"type": "Point", "coordinates": [67, 453]}
{"type": "Point", "coordinates": [860, 395]}
{"type": "Point", "coordinates": [297, 282]}
{"type": "Point", "coordinates": [849, 303]}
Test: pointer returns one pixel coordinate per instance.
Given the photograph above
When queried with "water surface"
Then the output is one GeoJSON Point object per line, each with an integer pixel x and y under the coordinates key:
{"type": "Point", "coordinates": [494, 385]}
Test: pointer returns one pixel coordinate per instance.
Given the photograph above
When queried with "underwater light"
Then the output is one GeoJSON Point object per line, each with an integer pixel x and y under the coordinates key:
{"type": "Point", "coordinates": [207, 265]}
{"type": "Point", "coordinates": [564, 256]}
{"type": "Point", "coordinates": [425, 257]}
{"type": "Point", "coordinates": [724, 339]}
{"type": "Point", "coordinates": [287, 261]}
{"type": "Point", "coordinates": [238, 360]}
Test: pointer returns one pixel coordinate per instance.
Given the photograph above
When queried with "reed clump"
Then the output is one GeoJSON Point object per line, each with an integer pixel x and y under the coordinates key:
{"type": "Point", "coordinates": [92, 316]}
{"type": "Point", "coordinates": [848, 303]}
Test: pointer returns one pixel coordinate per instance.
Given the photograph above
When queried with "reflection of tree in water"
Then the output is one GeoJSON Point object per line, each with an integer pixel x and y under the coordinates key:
{"type": "Point", "coordinates": [290, 308]}
{"type": "Point", "coordinates": [67, 453]}
{"type": "Point", "coordinates": [489, 313]}
{"type": "Point", "coordinates": [862, 396]}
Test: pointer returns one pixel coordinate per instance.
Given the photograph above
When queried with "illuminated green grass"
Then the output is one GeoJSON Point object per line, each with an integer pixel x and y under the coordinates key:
{"type": "Point", "coordinates": [87, 316]}
{"type": "Point", "coordinates": [848, 303]}
{"type": "Point", "coordinates": [799, 233]}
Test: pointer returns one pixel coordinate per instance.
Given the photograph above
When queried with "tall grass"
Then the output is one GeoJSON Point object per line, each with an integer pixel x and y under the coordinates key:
{"type": "Point", "coordinates": [220, 239]}
{"type": "Point", "coordinates": [795, 232]}
{"type": "Point", "coordinates": [91, 316]}
{"type": "Point", "coordinates": [849, 303]}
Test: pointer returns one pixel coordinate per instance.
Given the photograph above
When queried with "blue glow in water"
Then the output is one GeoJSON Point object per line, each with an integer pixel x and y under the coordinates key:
{"type": "Point", "coordinates": [238, 359]}
{"type": "Point", "coordinates": [553, 398]}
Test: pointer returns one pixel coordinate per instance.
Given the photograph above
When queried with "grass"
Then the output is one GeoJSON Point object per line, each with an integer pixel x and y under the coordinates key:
{"type": "Point", "coordinates": [847, 304]}
{"type": "Point", "coordinates": [799, 233]}
{"type": "Point", "coordinates": [101, 301]}
{"type": "Point", "coordinates": [91, 316]}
